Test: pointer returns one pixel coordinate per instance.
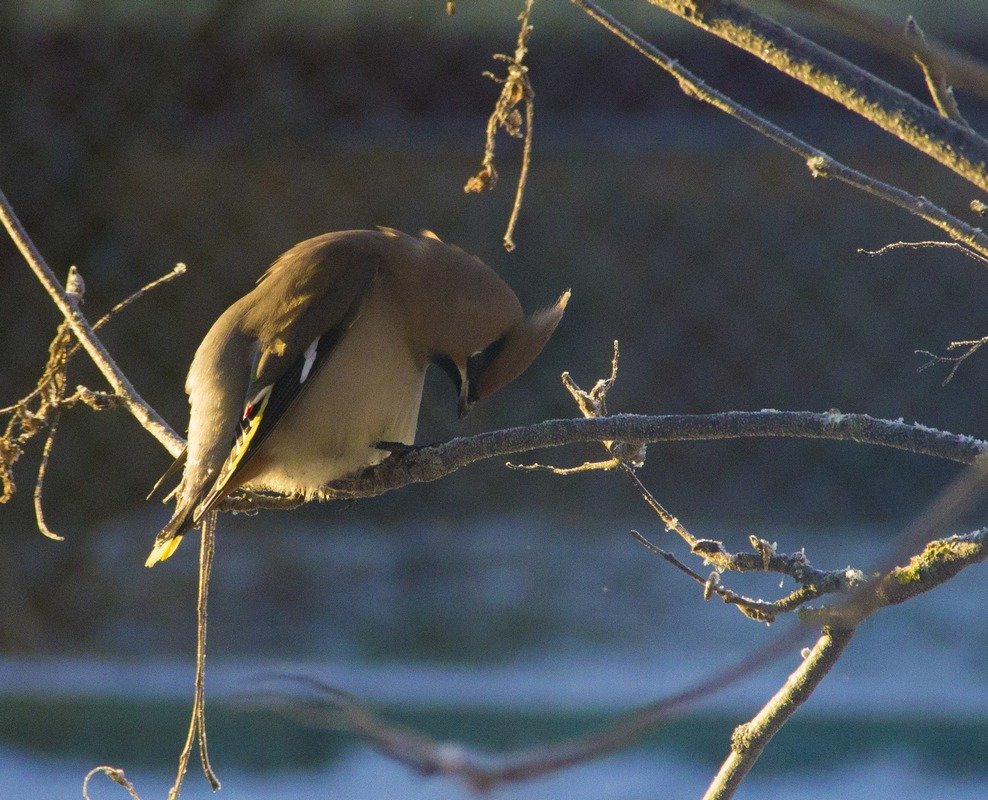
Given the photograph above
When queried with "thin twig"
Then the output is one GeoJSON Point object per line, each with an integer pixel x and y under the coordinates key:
{"type": "Point", "coordinates": [671, 523]}
{"type": "Point", "coordinates": [955, 146]}
{"type": "Point", "coordinates": [208, 547]}
{"type": "Point", "coordinates": [138, 407]}
{"type": "Point", "coordinates": [765, 558]}
{"type": "Point", "coordinates": [749, 739]}
{"type": "Point", "coordinates": [927, 245]}
{"type": "Point", "coordinates": [586, 466]}
{"type": "Point", "coordinates": [819, 163]}
{"type": "Point", "coordinates": [114, 774]}
{"type": "Point", "coordinates": [49, 410]}
{"type": "Point", "coordinates": [761, 610]}
{"type": "Point", "coordinates": [933, 73]}
{"type": "Point", "coordinates": [971, 346]}
{"type": "Point", "coordinates": [42, 407]}
{"type": "Point", "coordinates": [593, 405]}
{"type": "Point", "coordinates": [176, 271]}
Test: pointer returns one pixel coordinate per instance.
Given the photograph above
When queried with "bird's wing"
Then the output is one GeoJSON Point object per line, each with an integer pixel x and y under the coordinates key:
{"type": "Point", "coordinates": [315, 287]}
{"type": "Point", "coordinates": [305, 303]}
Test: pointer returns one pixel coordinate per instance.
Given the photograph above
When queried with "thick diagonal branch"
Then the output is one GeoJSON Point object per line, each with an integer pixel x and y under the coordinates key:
{"type": "Point", "coordinates": [956, 147]}
{"type": "Point", "coordinates": [959, 68]}
{"type": "Point", "coordinates": [820, 164]}
{"type": "Point", "coordinates": [749, 739]}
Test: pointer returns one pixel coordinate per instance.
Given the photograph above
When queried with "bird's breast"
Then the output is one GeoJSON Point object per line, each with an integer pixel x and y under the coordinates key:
{"type": "Point", "coordinates": [367, 390]}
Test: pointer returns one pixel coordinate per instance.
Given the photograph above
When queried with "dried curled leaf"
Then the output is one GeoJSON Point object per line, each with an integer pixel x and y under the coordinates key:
{"type": "Point", "coordinates": [484, 180]}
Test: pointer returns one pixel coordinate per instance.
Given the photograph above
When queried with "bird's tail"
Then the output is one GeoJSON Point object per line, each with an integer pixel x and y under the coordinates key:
{"type": "Point", "coordinates": [168, 539]}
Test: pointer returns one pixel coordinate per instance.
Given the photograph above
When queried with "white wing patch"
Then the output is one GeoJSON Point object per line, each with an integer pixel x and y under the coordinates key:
{"type": "Point", "coordinates": [310, 359]}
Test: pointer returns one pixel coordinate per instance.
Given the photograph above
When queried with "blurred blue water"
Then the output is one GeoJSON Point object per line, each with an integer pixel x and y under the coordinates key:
{"type": "Point", "coordinates": [630, 776]}
{"type": "Point", "coordinates": [506, 633]}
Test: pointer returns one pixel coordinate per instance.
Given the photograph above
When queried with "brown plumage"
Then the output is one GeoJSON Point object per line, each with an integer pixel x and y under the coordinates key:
{"type": "Point", "coordinates": [297, 381]}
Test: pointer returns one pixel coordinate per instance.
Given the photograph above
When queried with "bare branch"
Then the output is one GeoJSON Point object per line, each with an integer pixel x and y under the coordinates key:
{"type": "Point", "coordinates": [138, 407]}
{"type": "Point", "coordinates": [749, 739]}
{"type": "Point", "coordinates": [955, 146]}
{"type": "Point", "coordinates": [819, 163]}
{"type": "Point", "coordinates": [933, 73]}
{"type": "Point", "coordinates": [179, 269]}
{"type": "Point", "coordinates": [335, 709]}
{"type": "Point", "coordinates": [813, 582]}
{"type": "Point", "coordinates": [766, 559]}
{"type": "Point", "coordinates": [42, 407]}
{"type": "Point", "coordinates": [436, 461]}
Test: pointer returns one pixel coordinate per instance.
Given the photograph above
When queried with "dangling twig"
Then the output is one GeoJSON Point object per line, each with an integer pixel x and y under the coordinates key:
{"type": "Point", "coordinates": [516, 88]}
{"type": "Point", "coordinates": [197, 722]}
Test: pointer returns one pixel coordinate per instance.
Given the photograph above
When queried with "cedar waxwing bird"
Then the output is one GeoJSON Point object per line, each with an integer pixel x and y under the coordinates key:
{"type": "Point", "coordinates": [297, 381]}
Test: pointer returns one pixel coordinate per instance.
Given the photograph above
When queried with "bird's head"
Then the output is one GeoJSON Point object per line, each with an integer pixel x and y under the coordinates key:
{"type": "Point", "coordinates": [499, 354]}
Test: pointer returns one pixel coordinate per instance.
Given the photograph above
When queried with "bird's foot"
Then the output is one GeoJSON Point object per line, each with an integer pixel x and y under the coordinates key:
{"type": "Point", "coordinates": [398, 449]}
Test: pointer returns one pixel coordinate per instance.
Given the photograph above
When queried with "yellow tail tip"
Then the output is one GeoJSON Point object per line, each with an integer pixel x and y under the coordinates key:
{"type": "Point", "coordinates": [162, 550]}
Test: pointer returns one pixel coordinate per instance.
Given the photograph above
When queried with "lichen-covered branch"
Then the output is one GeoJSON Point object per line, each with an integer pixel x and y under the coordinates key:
{"type": "Point", "coordinates": [938, 562]}
{"type": "Point", "coordinates": [749, 739]}
{"type": "Point", "coordinates": [955, 146]}
{"type": "Point", "coordinates": [959, 68]}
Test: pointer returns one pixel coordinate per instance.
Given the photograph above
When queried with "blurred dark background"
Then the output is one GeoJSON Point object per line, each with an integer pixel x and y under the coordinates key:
{"type": "Point", "coordinates": [500, 606]}
{"type": "Point", "coordinates": [133, 138]}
